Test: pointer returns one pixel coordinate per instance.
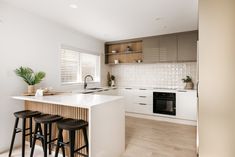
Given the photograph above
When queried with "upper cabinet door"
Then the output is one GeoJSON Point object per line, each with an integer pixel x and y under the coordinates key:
{"type": "Point", "coordinates": [151, 50]}
{"type": "Point", "coordinates": [168, 48]}
{"type": "Point", "coordinates": [187, 46]}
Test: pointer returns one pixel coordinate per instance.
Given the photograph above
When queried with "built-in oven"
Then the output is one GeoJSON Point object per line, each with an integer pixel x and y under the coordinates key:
{"type": "Point", "coordinates": [164, 103]}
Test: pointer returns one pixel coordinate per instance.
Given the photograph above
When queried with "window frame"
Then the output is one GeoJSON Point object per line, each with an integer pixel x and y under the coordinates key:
{"type": "Point", "coordinates": [78, 50]}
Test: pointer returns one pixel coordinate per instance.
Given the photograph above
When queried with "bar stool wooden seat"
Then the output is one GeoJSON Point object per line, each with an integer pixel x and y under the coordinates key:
{"type": "Point", "coordinates": [46, 136]}
{"type": "Point", "coordinates": [72, 125]}
{"type": "Point", "coordinates": [24, 115]}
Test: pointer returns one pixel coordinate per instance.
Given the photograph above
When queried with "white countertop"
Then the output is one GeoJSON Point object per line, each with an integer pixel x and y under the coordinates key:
{"type": "Point", "coordinates": [156, 89]}
{"type": "Point", "coordinates": [84, 91]}
{"type": "Point", "coordinates": [73, 100]}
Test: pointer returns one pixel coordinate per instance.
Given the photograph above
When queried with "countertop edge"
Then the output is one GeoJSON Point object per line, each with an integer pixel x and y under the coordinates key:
{"type": "Point", "coordinates": [40, 100]}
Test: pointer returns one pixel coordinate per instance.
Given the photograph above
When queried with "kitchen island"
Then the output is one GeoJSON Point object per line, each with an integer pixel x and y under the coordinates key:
{"type": "Point", "coordinates": [105, 115]}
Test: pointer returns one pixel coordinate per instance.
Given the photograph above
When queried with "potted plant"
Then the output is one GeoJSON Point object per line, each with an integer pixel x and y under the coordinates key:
{"type": "Point", "coordinates": [30, 77]}
{"type": "Point", "coordinates": [189, 83]}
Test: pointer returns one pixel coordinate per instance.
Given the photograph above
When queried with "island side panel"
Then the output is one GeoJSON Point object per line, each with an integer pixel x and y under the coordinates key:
{"type": "Point", "coordinates": [107, 129]}
{"type": "Point", "coordinates": [64, 111]}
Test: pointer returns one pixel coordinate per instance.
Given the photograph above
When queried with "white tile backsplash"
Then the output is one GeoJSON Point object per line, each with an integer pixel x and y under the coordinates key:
{"type": "Point", "coordinates": [161, 75]}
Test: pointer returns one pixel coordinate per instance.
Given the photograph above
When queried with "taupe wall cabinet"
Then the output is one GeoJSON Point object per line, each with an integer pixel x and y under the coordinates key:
{"type": "Point", "coordinates": [168, 48]}
{"type": "Point", "coordinates": [151, 49]}
{"type": "Point", "coordinates": [187, 46]}
{"type": "Point", "coordinates": [178, 47]}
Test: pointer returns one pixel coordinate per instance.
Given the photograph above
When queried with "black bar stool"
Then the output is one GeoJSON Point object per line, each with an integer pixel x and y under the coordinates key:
{"type": "Point", "coordinates": [24, 115]}
{"type": "Point", "coordinates": [45, 137]}
{"type": "Point", "coordinates": [71, 125]}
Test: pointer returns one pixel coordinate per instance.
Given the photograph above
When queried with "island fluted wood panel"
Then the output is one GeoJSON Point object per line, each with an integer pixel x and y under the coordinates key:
{"type": "Point", "coordinates": [64, 111]}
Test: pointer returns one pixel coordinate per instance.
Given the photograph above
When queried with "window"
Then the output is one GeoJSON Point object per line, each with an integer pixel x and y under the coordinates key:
{"type": "Point", "coordinates": [75, 65]}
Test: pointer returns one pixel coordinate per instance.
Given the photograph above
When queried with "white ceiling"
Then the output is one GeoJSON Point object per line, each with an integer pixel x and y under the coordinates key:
{"type": "Point", "coordinates": [110, 20]}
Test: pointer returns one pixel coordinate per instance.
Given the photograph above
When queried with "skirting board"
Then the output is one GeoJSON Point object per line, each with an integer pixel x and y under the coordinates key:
{"type": "Point", "coordinates": [159, 118]}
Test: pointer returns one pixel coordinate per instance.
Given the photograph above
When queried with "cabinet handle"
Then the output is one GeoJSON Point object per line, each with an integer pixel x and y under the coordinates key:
{"type": "Point", "coordinates": [142, 89]}
{"type": "Point", "coordinates": [128, 88]}
{"type": "Point", "coordinates": [106, 90]}
{"type": "Point", "coordinates": [197, 89]}
{"type": "Point", "coordinates": [142, 104]}
{"type": "Point", "coordinates": [142, 96]}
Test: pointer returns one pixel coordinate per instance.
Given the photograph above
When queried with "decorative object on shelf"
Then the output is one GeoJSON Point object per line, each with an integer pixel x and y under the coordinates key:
{"type": "Point", "coordinates": [112, 80]}
{"type": "Point", "coordinates": [39, 92]}
{"type": "Point", "coordinates": [116, 61]}
{"type": "Point", "coordinates": [114, 51]}
{"type": "Point", "coordinates": [44, 94]}
{"type": "Point", "coordinates": [109, 79]}
{"type": "Point", "coordinates": [139, 61]}
{"type": "Point", "coordinates": [30, 77]}
{"type": "Point", "coordinates": [189, 83]}
{"type": "Point", "coordinates": [128, 49]}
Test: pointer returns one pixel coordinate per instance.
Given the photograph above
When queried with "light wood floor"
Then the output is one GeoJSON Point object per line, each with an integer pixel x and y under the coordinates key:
{"type": "Point", "coordinates": [147, 138]}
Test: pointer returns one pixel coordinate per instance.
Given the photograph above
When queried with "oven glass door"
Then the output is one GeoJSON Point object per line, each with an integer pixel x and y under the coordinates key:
{"type": "Point", "coordinates": [164, 106]}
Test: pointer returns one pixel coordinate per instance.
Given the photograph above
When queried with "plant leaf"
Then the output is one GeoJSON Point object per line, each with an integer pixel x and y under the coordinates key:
{"type": "Point", "coordinates": [38, 77]}
{"type": "Point", "coordinates": [29, 76]}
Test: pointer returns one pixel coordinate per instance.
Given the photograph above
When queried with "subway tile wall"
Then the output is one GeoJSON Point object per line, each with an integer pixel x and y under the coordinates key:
{"type": "Point", "coordinates": [159, 75]}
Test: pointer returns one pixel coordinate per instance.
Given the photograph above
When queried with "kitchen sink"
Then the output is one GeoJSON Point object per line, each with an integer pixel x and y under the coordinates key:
{"type": "Point", "coordinates": [88, 92]}
{"type": "Point", "coordinates": [95, 88]}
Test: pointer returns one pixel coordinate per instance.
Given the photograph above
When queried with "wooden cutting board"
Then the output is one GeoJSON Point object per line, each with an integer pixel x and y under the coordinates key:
{"type": "Point", "coordinates": [44, 94]}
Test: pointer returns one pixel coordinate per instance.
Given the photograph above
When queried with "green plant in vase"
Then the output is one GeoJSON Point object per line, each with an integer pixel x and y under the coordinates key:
{"type": "Point", "coordinates": [30, 77]}
{"type": "Point", "coordinates": [188, 82]}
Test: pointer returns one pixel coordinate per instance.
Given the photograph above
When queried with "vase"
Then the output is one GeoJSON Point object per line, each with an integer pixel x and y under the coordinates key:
{"type": "Point", "coordinates": [189, 85]}
{"type": "Point", "coordinates": [112, 83]}
{"type": "Point", "coordinates": [31, 88]}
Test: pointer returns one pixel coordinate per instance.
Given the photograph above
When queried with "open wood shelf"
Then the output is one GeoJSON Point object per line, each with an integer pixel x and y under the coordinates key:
{"type": "Point", "coordinates": [125, 63]}
{"type": "Point", "coordinates": [123, 55]}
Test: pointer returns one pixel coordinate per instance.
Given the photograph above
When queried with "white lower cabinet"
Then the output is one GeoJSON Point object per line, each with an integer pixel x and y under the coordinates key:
{"type": "Point", "coordinates": [137, 100]}
{"type": "Point", "coordinates": [186, 105]}
{"type": "Point", "coordinates": [142, 108]}
{"type": "Point", "coordinates": [128, 97]}
{"type": "Point", "coordinates": [141, 101]}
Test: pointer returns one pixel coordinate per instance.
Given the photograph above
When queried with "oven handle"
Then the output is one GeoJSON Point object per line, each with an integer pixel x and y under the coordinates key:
{"type": "Point", "coordinates": [170, 99]}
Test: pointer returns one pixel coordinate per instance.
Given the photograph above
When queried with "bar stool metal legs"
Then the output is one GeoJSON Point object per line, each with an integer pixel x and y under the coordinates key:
{"type": "Point", "coordinates": [38, 130]}
{"type": "Point", "coordinates": [85, 139]}
{"type": "Point", "coordinates": [72, 125]}
{"type": "Point", "coordinates": [71, 142]}
{"type": "Point", "coordinates": [23, 137]}
{"type": "Point", "coordinates": [60, 143]}
{"type": "Point", "coordinates": [13, 135]}
{"type": "Point", "coordinates": [24, 115]}
{"type": "Point", "coordinates": [45, 137]}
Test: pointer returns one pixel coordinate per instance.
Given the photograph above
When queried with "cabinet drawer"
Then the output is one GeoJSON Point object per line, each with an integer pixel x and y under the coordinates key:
{"type": "Point", "coordinates": [144, 99]}
{"type": "Point", "coordinates": [144, 92]}
{"type": "Point", "coordinates": [142, 108]}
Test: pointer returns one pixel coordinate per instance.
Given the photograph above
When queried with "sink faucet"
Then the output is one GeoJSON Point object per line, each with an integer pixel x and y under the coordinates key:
{"type": "Point", "coordinates": [85, 83]}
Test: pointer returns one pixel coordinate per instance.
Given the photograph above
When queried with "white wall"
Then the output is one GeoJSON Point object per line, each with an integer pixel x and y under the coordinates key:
{"type": "Point", "coordinates": [160, 75]}
{"type": "Point", "coordinates": [216, 78]}
{"type": "Point", "coordinates": [28, 40]}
